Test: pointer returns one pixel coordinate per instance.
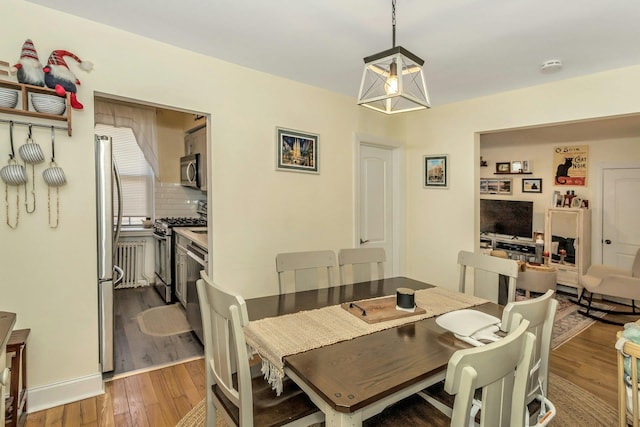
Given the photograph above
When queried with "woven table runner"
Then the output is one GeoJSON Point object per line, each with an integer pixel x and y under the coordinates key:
{"type": "Point", "coordinates": [274, 338]}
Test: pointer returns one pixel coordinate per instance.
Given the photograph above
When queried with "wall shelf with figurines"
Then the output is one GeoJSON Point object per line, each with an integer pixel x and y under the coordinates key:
{"type": "Point", "coordinates": [52, 107]}
{"type": "Point", "coordinates": [517, 167]}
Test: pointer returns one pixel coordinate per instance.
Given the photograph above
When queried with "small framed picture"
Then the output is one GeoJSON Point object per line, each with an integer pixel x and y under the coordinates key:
{"type": "Point", "coordinates": [503, 167]}
{"type": "Point", "coordinates": [296, 151]}
{"type": "Point", "coordinates": [435, 171]}
{"type": "Point", "coordinates": [516, 166]}
{"type": "Point", "coordinates": [532, 185]}
{"type": "Point", "coordinates": [492, 186]}
{"type": "Point", "coordinates": [504, 186]}
{"type": "Point", "coordinates": [557, 199]}
{"type": "Point", "coordinates": [484, 186]}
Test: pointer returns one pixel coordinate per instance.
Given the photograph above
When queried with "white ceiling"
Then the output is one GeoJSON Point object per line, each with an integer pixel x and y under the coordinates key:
{"type": "Point", "coordinates": [471, 48]}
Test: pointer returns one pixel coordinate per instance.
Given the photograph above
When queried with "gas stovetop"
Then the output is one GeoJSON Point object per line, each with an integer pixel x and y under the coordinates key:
{"type": "Point", "coordinates": [163, 225]}
{"type": "Point", "coordinates": [183, 222]}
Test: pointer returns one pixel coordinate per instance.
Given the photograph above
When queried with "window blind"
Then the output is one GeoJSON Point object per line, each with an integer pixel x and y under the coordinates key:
{"type": "Point", "coordinates": [135, 173]}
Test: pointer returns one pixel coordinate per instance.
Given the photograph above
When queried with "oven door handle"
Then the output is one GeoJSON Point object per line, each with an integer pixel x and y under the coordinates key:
{"type": "Point", "coordinates": [157, 237]}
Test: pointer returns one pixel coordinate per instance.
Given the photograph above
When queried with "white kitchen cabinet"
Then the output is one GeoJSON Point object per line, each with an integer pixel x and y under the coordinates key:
{"type": "Point", "coordinates": [195, 141]}
{"type": "Point", "coordinates": [568, 229]}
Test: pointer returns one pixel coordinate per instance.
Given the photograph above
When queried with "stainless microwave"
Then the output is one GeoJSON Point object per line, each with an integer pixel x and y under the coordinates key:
{"type": "Point", "coordinates": [190, 171]}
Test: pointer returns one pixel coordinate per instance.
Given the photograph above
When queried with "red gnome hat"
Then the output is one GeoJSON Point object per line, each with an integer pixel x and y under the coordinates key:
{"type": "Point", "coordinates": [57, 58]}
{"type": "Point", "coordinates": [29, 50]}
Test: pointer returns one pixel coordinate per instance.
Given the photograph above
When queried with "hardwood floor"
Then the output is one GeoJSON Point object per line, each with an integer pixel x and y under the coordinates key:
{"type": "Point", "coordinates": [135, 350]}
{"type": "Point", "coordinates": [589, 360]}
{"type": "Point", "coordinates": [163, 396]}
{"type": "Point", "coordinates": [156, 398]}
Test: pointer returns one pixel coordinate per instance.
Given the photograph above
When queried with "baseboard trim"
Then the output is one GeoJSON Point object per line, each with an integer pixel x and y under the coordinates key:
{"type": "Point", "coordinates": [63, 392]}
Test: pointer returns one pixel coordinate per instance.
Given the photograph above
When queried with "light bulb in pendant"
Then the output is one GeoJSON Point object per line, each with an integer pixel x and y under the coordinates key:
{"type": "Point", "coordinates": [391, 84]}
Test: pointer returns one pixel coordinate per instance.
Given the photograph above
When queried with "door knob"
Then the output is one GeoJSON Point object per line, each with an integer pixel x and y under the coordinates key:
{"type": "Point", "coordinates": [4, 377]}
{"type": "Point", "coordinates": [608, 242]}
{"type": "Point", "coordinates": [362, 242]}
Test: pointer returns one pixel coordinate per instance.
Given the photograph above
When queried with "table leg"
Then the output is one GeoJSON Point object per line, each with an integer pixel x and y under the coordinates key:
{"type": "Point", "coordinates": [339, 419]}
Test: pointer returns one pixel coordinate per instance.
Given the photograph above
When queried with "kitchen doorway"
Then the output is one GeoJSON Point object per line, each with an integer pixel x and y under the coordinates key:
{"type": "Point", "coordinates": [149, 330]}
{"type": "Point", "coordinates": [139, 346]}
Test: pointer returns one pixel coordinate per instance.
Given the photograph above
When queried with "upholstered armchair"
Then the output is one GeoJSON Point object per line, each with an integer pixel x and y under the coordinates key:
{"type": "Point", "coordinates": [611, 281]}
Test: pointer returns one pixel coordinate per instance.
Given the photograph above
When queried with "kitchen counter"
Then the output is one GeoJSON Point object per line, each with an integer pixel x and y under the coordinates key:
{"type": "Point", "coordinates": [7, 321]}
{"type": "Point", "coordinates": [197, 235]}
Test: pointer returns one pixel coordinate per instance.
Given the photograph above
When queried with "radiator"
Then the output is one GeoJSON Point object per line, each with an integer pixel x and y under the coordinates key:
{"type": "Point", "coordinates": [130, 257]}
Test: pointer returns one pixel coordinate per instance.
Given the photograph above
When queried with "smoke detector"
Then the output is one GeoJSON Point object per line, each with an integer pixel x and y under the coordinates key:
{"type": "Point", "coordinates": [551, 66]}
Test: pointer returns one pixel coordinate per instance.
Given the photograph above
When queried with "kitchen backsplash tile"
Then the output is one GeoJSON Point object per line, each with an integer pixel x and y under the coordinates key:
{"type": "Point", "coordinates": [174, 200]}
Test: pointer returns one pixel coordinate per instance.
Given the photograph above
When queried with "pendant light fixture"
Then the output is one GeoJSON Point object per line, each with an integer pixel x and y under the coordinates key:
{"type": "Point", "coordinates": [392, 81]}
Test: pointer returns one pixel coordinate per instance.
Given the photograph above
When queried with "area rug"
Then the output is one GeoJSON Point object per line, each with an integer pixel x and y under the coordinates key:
{"type": "Point", "coordinates": [163, 321]}
{"type": "Point", "coordinates": [575, 406]}
{"type": "Point", "coordinates": [569, 322]}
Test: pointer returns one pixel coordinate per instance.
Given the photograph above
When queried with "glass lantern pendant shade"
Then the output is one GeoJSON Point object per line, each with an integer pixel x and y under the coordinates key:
{"type": "Point", "coordinates": [393, 81]}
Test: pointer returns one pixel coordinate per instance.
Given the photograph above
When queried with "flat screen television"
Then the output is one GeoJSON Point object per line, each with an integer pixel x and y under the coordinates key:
{"type": "Point", "coordinates": [510, 218]}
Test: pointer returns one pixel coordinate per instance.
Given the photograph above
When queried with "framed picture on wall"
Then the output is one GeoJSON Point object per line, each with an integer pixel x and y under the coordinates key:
{"type": "Point", "coordinates": [296, 151]}
{"type": "Point", "coordinates": [495, 186]}
{"type": "Point", "coordinates": [532, 185]}
{"type": "Point", "coordinates": [435, 171]}
{"type": "Point", "coordinates": [484, 186]}
{"type": "Point", "coordinates": [503, 167]}
{"type": "Point", "coordinates": [504, 186]}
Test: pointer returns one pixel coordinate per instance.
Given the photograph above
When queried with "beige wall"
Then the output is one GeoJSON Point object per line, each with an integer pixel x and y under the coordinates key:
{"type": "Point", "coordinates": [49, 276]}
{"type": "Point", "coordinates": [439, 223]}
{"type": "Point", "coordinates": [622, 150]}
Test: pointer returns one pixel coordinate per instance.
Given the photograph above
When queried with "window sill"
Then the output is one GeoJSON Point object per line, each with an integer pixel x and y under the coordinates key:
{"type": "Point", "coordinates": [136, 232]}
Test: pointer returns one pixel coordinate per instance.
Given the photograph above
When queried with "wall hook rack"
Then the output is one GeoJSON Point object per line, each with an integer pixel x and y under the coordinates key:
{"type": "Point", "coordinates": [36, 125]}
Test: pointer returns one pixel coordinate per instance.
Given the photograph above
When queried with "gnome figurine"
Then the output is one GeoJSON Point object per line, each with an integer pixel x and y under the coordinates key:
{"type": "Point", "coordinates": [29, 67]}
{"type": "Point", "coordinates": [58, 76]}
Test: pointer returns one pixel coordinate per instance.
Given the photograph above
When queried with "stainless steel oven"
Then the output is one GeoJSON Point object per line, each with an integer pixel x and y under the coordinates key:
{"type": "Point", "coordinates": [196, 261]}
{"type": "Point", "coordinates": [165, 252]}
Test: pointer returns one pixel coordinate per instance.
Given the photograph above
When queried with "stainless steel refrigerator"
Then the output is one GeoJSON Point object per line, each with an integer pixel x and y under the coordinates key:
{"type": "Point", "coordinates": [107, 179]}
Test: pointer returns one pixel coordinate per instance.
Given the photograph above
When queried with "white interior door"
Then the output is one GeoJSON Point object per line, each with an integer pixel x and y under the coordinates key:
{"type": "Point", "coordinates": [620, 207]}
{"type": "Point", "coordinates": [376, 201]}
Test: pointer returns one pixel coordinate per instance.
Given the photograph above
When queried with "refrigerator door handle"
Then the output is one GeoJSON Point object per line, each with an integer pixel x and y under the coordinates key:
{"type": "Point", "coordinates": [118, 270]}
{"type": "Point", "coordinates": [116, 176]}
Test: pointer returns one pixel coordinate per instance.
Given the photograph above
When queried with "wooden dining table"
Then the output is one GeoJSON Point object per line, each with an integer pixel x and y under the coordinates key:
{"type": "Point", "coordinates": [355, 379]}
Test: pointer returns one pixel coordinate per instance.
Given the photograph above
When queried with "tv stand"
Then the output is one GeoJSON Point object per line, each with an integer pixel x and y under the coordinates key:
{"type": "Point", "coordinates": [515, 248]}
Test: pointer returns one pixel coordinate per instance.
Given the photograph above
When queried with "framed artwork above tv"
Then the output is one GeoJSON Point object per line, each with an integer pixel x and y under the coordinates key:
{"type": "Point", "coordinates": [496, 185]}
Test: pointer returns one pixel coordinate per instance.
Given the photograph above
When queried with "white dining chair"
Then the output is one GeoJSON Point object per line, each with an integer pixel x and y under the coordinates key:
{"type": "Point", "coordinates": [540, 313]}
{"type": "Point", "coordinates": [302, 271]}
{"type": "Point", "coordinates": [364, 264]}
{"type": "Point", "coordinates": [488, 287]}
{"type": "Point", "coordinates": [499, 370]}
{"type": "Point", "coordinates": [236, 390]}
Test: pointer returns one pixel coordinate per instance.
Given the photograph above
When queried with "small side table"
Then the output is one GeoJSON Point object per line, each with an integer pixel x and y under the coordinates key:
{"type": "Point", "coordinates": [17, 345]}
